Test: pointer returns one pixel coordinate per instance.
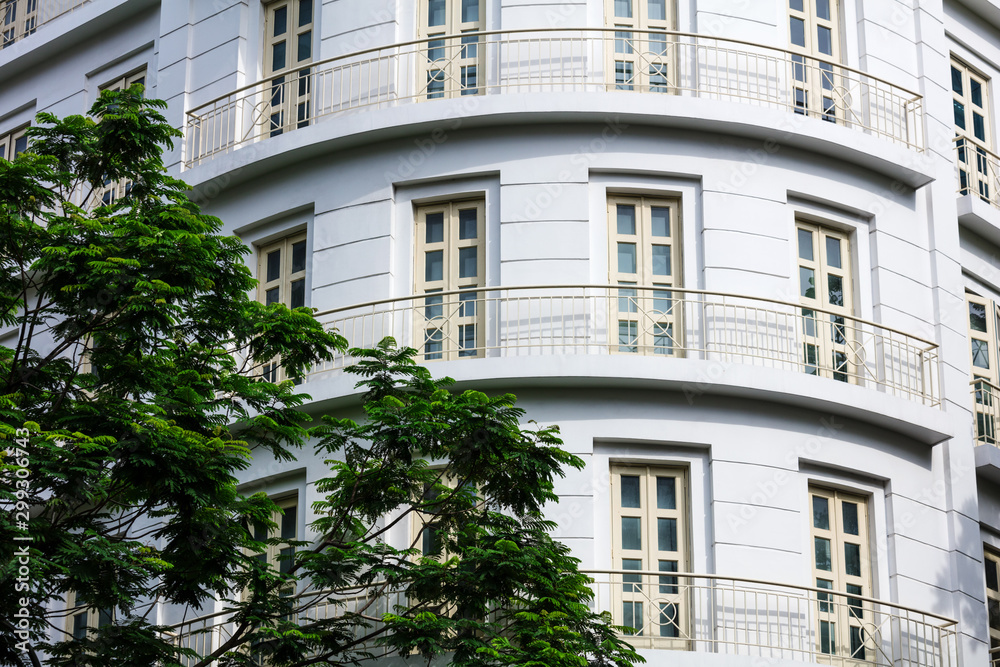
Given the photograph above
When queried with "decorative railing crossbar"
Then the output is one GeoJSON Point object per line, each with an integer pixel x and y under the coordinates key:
{"type": "Point", "coordinates": [20, 18]}
{"type": "Point", "coordinates": [637, 320]}
{"type": "Point", "coordinates": [555, 60]}
{"type": "Point", "coordinates": [987, 401]}
{"type": "Point", "coordinates": [690, 612]}
{"type": "Point", "coordinates": [978, 171]}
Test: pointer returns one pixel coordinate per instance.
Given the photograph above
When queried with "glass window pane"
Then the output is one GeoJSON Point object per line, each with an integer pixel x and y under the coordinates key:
{"type": "Point", "coordinates": [669, 623]}
{"type": "Point", "coordinates": [666, 534]}
{"type": "Point", "coordinates": [80, 626]}
{"type": "Point", "coordinates": [434, 265]}
{"type": "Point", "coordinates": [467, 304]}
{"type": "Point", "coordinates": [104, 617]}
{"type": "Point", "coordinates": [631, 533]}
{"type": "Point", "coordinates": [305, 12]}
{"type": "Point", "coordinates": [959, 114]}
{"type": "Point", "coordinates": [657, 9]}
{"type": "Point", "coordinates": [806, 244]}
{"type": "Point", "coordinates": [980, 354]}
{"type": "Point", "coordinates": [857, 643]}
{"type": "Point", "coordinates": [821, 512]}
{"type": "Point", "coordinates": [273, 265]}
{"type": "Point", "coordinates": [956, 80]}
{"type": "Point", "coordinates": [630, 491]}
{"type": "Point", "coordinates": [666, 493]}
{"type": "Point", "coordinates": [298, 256]}
{"type": "Point", "coordinates": [850, 512]}
{"type": "Point", "coordinates": [795, 4]}
{"type": "Point", "coordinates": [470, 11]}
{"type": "Point", "coordinates": [298, 294]}
{"type": "Point", "coordinates": [632, 617]}
{"type": "Point", "coordinates": [433, 344]}
{"type": "Point", "coordinates": [280, 21]}
{"type": "Point", "coordinates": [824, 40]}
{"type": "Point", "coordinates": [994, 606]}
{"type": "Point", "coordinates": [798, 31]}
{"type": "Point", "coordinates": [467, 220]}
{"type": "Point", "coordinates": [467, 262]}
{"type": "Point", "coordinates": [278, 57]}
{"type": "Point", "coordinates": [272, 295]}
{"type": "Point", "coordinates": [435, 228]}
{"type": "Point", "coordinates": [827, 631]}
{"type": "Point", "coordinates": [289, 520]}
{"type": "Point", "coordinates": [631, 583]}
{"type": "Point", "coordinates": [823, 9]}
{"type": "Point", "coordinates": [668, 585]}
{"type": "Point", "coordinates": [852, 559]}
{"type": "Point", "coordinates": [823, 556]}
{"type": "Point", "coordinates": [976, 92]}
{"type": "Point", "coordinates": [436, 12]}
{"type": "Point", "coordinates": [836, 290]}
{"type": "Point", "coordinates": [433, 306]}
{"type": "Point", "coordinates": [661, 220]}
{"type": "Point", "coordinates": [991, 576]}
{"type": "Point", "coordinates": [807, 282]}
{"type": "Point", "coordinates": [305, 46]}
{"type": "Point", "coordinates": [978, 126]}
{"type": "Point", "coordinates": [857, 610]}
{"type": "Point", "coordinates": [20, 145]}
{"type": "Point", "coordinates": [824, 598]}
{"type": "Point", "coordinates": [626, 219]}
{"type": "Point", "coordinates": [623, 9]}
{"type": "Point", "coordinates": [661, 260]}
{"type": "Point", "coordinates": [833, 252]}
{"type": "Point", "coordinates": [467, 340]}
{"type": "Point", "coordinates": [626, 258]}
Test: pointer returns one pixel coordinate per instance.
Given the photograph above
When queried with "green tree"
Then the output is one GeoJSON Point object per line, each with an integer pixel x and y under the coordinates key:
{"type": "Point", "coordinates": [131, 400]}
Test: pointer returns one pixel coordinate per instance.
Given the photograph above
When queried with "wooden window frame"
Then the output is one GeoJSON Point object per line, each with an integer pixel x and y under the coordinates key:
{"type": "Point", "coordinates": [9, 143]}
{"type": "Point", "coordinates": [647, 321]}
{"type": "Point", "coordinates": [114, 191]}
{"type": "Point", "coordinates": [445, 319]}
{"type": "Point", "coordinates": [287, 100]}
{"type": "Point", "coordinates": [813, 84]}
{"type": "Point", "coordinates": [671, 627]}
{"type": "Point", "coordinates": [89, 618]}
{"type": "Point", "coordinates": [985, 396]}
{"type": "Point", "coordinates": [847, 639]}
{"type": "Point", "coordinates": [455, 67]}
{"type": "Point", "coordinates": [18, 19]}
{"type": "Point", "coordinates": [272, 371]}
{"type": "Point", "coordinates": [826, 335]}
{"type": "Point", "coordinates": [979, 178]}
{"type": "Point", "coordinates": [641, 61]}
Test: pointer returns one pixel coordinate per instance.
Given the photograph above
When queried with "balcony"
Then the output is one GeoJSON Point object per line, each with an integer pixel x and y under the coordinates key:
{"type": "Point", "coordinates": [637, 321]}
{"type": "Point", "coordinates": [986, 399]}
{"type": "Point", "coordinates": [21, 18]}
{"type": "Point", "coordinates": [693, 613]}
{"type": "Point", "coordinates": [555, 61]}
{"type": "Point", "coordinates": [978, 171]}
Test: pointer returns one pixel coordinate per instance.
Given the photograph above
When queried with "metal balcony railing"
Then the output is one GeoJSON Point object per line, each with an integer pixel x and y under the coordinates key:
{"type": "Point", "coordinates": [978, 171]}
{"type": "Point", "coordinates": [987, 398]}
{"type": "Point", "coordinates": [691, 612]}
{"type": "Point", "coordinates": [637, 320]}
{"type": "Point", "coordinates": [555, 60]}
{"type": "Point", "coordinates": [20, 18]}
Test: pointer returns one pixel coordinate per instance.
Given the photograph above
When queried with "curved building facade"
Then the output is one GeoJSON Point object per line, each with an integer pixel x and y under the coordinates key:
{"type": "Point", "coordinates": [745, 254]}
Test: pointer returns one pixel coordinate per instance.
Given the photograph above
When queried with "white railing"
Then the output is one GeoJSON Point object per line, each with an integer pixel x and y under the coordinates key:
{"type": "Point", "coordinates": [635, 320]}
{"type": "Point", "coordinates": [20, 18]}
{"type": "Point", "coordinates": [688, 612]}
{"type": "Point", "coordinates": [978, 171]}
{"type": "Point", "coordinates": [987, 399]}
{"type": "Point", "coordinates": [555, 60]}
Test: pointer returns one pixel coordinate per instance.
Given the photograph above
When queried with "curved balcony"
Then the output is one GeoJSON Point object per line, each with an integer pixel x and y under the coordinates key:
{"type": "Point", "coordinates": [694, 613]}
{"type": "Point", "coordinates": [664, 323]}
{"type": "Point", "coordinates": [553, 61]}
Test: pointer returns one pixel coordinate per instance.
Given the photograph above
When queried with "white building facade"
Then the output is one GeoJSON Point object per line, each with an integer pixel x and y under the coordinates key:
{"type": "Point", "coordinates": [745, 253]}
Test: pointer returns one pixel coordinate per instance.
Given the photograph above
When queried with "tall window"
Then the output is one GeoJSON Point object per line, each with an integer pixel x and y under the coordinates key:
{"type": "Point", "coordinates": [451, 67]}
{"type": "Point", "coordinates": [984, 318]}
{"type": "Point", "coordinates": [281, 276]}
{"type": "Point", "coordinates": [20, 19]}
{"type": "Point", "coordinates": [825, 282]}
{"type": "Point", "coordinates": [13, 143]}
{"type": "Point", "coordinates": [841, 562]}
{"type": "Point", "coordinates": [80, 619]}
{"type": "Point", "coordinates": [286, 518]}
{"type": "Point", "coordinates": [642, 60]}
{"type": "Point", "coordinates": [644, 250]}
{"type": "Point", "coordinates": [992, 562]}
{"type": "Point", "coordinates": [972, 127]}
{"type": "Point", "coordinates": [450, 256]}
{"type": "Point", "coordinates": [288, 49]}
{"type": "Point", "coordinates": [814, 32]}
{"type": "Point", "coordinates": [115, 190]}
{"type": "Point", "coordinates": [649, 533]}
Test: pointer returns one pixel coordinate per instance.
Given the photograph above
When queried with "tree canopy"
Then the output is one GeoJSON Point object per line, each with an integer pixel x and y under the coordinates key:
{"type": "Point", "coordinates": [131, 400]}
